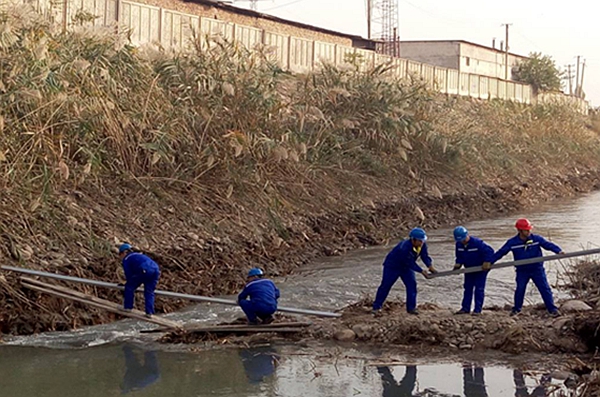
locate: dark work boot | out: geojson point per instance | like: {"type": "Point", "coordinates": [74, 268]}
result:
{"type": "Point", "coordinates": [268, 320]}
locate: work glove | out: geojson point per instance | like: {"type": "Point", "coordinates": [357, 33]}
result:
{"type": "Point", "coordinates": [457, 266]}
{"type": "Point", "coordinates": [561, 253]}
{"type": "Point", "coordinates": [432, 269]}
{"type": "Point", "coordinates": [426, 274]}
{"type": "Point", "coordinates": [486, 266]}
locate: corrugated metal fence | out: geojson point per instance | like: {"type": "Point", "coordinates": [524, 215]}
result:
{"type": "Point", "coordinates": [170, 29]}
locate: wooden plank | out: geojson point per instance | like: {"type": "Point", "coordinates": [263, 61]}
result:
{"type": "Point", "coordinates": [76, 296]}
{"type": "Point", "coordinates": [192, 328]}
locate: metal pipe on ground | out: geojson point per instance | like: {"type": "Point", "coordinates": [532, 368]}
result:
{"type": "Point", "coordinates": [169, 294]}
{"type": "Point", "coordinates": [518, 263]}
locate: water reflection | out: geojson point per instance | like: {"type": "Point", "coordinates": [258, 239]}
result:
{"type": "Point", "coordinates": [405, 388]}
{"type": "Point", "coordinates": [521, 388]}
{"type": "Point", "coordinates": [254, 372]}
{"type": "Point", "coordinates": [474, 382]}
{"type": "Point", "coordinates": [259, 362]}
{"type": "Point", "coordinates": [137, 375]}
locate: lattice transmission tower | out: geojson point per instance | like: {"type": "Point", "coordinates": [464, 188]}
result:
{"type": "Point", "coordinates": [382, 25]}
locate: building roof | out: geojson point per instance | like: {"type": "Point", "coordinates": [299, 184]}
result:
{"type": "Point", "coordinates": [256, 14]}
{"type": "Point", "coordinates": [462, 42]}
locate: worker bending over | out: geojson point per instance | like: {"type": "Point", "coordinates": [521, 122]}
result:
{"type": "Point", "coordinates": [139, 269]}
{"type": "Point", "coordinates": [401, 263]}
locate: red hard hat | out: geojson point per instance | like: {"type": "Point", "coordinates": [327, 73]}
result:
{"type": "Point", "coordinates": [523, 224]}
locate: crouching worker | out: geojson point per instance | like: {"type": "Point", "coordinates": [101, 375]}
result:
{"type": "Point", "coordinates": [401, 263]}
{"type": "Point", "coordinates": [139, 269]}
{"type": "Point", "coordinates": [472, 252]}
{"type": "Point", "coordinates": [263, 296]}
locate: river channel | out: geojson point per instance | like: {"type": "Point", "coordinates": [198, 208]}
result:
{"type": "Point", "coordinates": [114, 359]}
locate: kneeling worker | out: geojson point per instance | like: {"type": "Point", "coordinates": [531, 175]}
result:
{"type": "Point", "coordinates": [472, 252]}
{"type": "Point", "coordinates": [401, 263]}
{"type": "Point", "coordinates": [263, 296]}
{"type": "Point", "coordinates": [139, 269]}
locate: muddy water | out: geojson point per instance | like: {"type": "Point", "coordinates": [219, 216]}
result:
{"type": "Point", "coordinates": [258, 372]}
{"type": "Point", "coordinates": [573, 225]}
{"type": "Point", "coordinates": [107, 370]}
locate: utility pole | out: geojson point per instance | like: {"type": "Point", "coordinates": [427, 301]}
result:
{"type": "Point", "coordinates": [569, 77]}
{"type": "Point", "coordinates": [577, 78]}
{"type": "Point", "coordinates": [506, 50]}
{"type": "Point", "coordinates": [369, 17]}
{"type": "Point", "coordinates": [580, 92]}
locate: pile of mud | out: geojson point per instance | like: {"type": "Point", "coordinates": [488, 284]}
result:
{"type": "Point", "coordinates": [531, 331]}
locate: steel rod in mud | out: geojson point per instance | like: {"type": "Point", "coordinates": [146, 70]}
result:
{"type": "Point", "coordinates": [518, 263]}
{"type": "Point", "coordinates": [169, 294]}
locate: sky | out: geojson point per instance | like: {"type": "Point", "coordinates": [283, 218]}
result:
{"type": "Point", "coordinates": [562, 30]}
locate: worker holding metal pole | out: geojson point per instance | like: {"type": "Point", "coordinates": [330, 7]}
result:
{"type": "Point", "coordinates": [472, 252]}
{"type": "Point", "coordinates": [526, 245]}
{"type": "Point", "coordinates": [401, 263]}
{"type": "Point", "coordinates": [139, 269]}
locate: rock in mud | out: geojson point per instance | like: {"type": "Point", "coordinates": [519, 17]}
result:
{"type": "Point", "coordinates": [362, 331]}
{"type": "Point", "coordinates": [560, 375]}
{"type": "Point", "coordinates": [575, 306]}
{"type": "Point", "coordinates": [559, 324]}
{"type": "Point", "coordinates": [345, 335]}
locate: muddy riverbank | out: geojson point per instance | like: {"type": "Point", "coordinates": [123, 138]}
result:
{"type": "Point", "coordinates": [206, 266]}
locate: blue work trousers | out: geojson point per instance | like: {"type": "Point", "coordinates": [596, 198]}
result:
{"type": "Point", "coordinates": [390, 276]}
{"type": "Point", "coordinates": [254, 310]}
{"type": "Point", "coordinates": [474, 284]}
{"type": "Point", "coordinates": [150, 280]}
{"type": "Point", "coordinates": [538, 275]}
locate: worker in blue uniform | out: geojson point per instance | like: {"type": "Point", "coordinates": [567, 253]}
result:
{"type": "Point", "coordinates": [526, 245]}
{"type": "Point", "coordinates": [263, 296]}
{"type": "Point", "coordinates": [472, 252]}
{"type": "Point", "coordinates": [401, 263]}
{"type": "Point", "coordinates": [139, 269]}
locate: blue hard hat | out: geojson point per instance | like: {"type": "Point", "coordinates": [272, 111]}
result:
{"type": "Point", "coordinates": [418, 234]}
{"type": "Point", "coordinates": [460, 233]}
{"type": "Point", "coordinates": [255, 272]}
{"type": "Point", "coordinates": [124, 247]}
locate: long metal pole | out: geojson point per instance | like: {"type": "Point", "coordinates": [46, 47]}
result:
{"type": "Point", "coordinates": [518, 263]}
{"type": "Point", "coordinates": [169, 294]}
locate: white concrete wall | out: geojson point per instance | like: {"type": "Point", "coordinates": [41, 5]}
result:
{"type": "Point", "coordinates": [172, 29]}
{"type": "Point", "coordinates": [486, 62]}
{"type": "Point", "coordinates": [443, 54]}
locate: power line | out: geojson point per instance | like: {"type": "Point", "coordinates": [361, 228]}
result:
{"type": "Point", "coordinates": [284, 5]}
{"type": "Point", "coordinates": [537, 46]}
{"type": "Point", "coordinates": [435, 15]}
